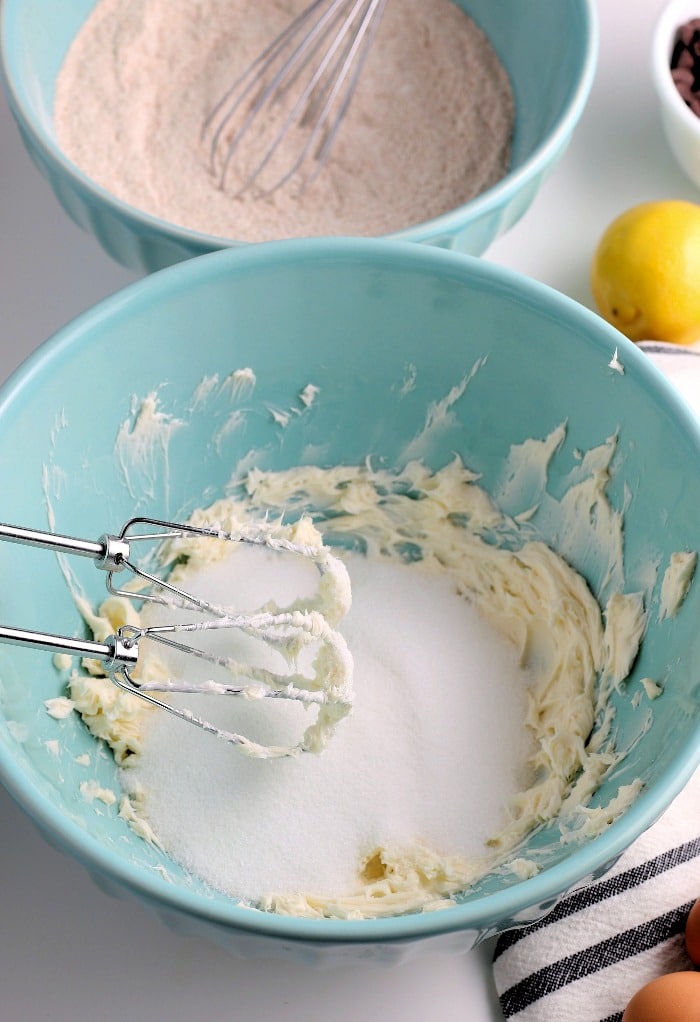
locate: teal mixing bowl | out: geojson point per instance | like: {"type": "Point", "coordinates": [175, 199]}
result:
{"type": "Point", "coordinates": [549, 50]}
{"type": "Point", "coordinates": [386, 331]}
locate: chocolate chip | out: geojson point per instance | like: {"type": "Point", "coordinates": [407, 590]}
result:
{"type": "Point", "coordinates": [683, 76]}
{"type": "Point", "coordinates": [685, 63]}
{"type": "Point", "coordinates": [688, 32]}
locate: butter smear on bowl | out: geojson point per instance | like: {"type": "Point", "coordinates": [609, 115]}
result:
{"type": "Point", "coordinates": [484, 667]}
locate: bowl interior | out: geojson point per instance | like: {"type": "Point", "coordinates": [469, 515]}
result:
{"type": "Point", "coordinates": [545, 49]}
{"type": "Point", "coordinates": [357, 320]}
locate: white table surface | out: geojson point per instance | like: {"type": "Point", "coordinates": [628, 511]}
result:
{"type": "Point", "coordinates": [67, 951]}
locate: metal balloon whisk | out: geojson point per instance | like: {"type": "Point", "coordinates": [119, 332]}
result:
{"type": "Point", "coordinates": [280, 118]}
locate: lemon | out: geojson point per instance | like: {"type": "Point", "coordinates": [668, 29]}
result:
{"type": "Point", "coordinates": [645, 274]}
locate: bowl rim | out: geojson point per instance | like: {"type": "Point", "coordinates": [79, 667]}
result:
{"type": "Point", "coordinates": [487, 202]}
{"type": "Point", "coordinates": [522, 900]}
{"type": "Point", "coordinates": [673, 15]}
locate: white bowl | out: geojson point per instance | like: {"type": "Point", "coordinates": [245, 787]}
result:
{"type": "Point", "coordinates": [681, 125]}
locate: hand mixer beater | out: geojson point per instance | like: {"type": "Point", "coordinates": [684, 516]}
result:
{"type": "Point", "coordinates": [288, 631]}
{"type": "Point", "coordinates": [283, 112]}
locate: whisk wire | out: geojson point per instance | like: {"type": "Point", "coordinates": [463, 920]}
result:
{"type": "Point", "coordinates": [337, 75]}
{"type": "Point", "coordinates": [331, 41]}
{"type": "Point", "coordinates": [302, 111]}
{"type": "Point", "coordinates": [355, 59]}
{"type": "Point", "coordinates": [227, 105]}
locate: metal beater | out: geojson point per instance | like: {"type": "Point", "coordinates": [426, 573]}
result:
{"type": "Point", "coordinates": [297, 92]}
{"type": "Point", "coordinates": [328, 688]}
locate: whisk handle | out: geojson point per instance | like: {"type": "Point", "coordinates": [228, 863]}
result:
{"type": "Point", "coordinates": [115, 652]}
{"type": "Point", "coordinates": [109, 552]}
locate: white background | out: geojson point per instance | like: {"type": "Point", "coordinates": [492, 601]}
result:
{"type": "Point", "coordinates": [67, 951]}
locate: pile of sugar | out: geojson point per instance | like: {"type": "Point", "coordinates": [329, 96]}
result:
{"type": "Point", "coordinates": [429, 128]}
{"type": "Point", "coordinates": [433, 750]}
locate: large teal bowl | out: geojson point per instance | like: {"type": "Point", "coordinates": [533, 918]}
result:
{"type": "Point", "coordinates": [356, 319]}
{"type": "Point", "coordinates": [549, 50]}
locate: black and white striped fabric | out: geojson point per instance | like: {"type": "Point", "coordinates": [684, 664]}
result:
{"type": "Point", "coordinates": [587, 958]}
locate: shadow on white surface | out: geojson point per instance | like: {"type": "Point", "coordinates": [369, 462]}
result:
{"type": "Point", "coordinates": [68, 951]}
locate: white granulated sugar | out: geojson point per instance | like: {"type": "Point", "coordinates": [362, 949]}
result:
{"type": "Point", "coordinates": [429, 128]}
{"type": "Point", "coordinates": [431, 753]}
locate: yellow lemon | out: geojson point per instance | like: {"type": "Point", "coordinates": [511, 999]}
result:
{"type": "Point", "coordinates": [645, 275]}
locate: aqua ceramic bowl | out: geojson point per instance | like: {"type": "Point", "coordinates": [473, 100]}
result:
{"type": "Point", "coordinates": [548, 49]}
{"type": "Point", "coordinates": [356, 319]}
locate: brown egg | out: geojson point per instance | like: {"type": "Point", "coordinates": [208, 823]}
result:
{"type": "Point", "coordinates": [692, 933]}
{"type": "Point", "coordinates": [671, 998]}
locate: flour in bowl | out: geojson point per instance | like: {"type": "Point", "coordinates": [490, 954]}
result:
{"type": "Point", "coordinates": [429, 128]}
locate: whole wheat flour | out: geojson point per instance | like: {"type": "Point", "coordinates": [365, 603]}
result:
{"type": "Point", "coordinates": [429, 128]}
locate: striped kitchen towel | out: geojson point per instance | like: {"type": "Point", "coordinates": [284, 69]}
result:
{"type": "Point", "coordinates": [589, 956]}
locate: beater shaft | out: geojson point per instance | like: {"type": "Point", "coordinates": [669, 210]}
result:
{"type": "Point", "coordinates": [116, 653]}
{"type": "Point", "coordinates": [109, 552]}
